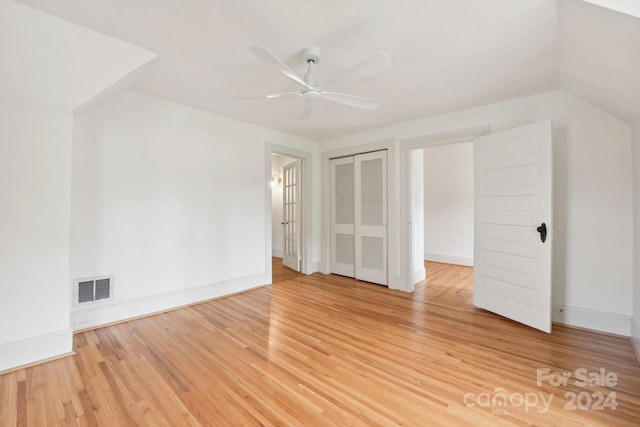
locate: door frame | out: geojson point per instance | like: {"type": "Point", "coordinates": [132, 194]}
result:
{"type": "Point", "coordinates": [406, 145]}
{"type": "Point", "coordinates": [306, 161]}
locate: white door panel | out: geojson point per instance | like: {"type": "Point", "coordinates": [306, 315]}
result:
{"type": "Point", "coordinates": [371, 217]}
{"type": "Point", "coordinates": [291, 215]}
{"type": "Point", "coordinates": [359, 217]}
{"type": "Point", "coordinates": [513, 197]}
{"type": "Point", "coordinates": [342, 217]}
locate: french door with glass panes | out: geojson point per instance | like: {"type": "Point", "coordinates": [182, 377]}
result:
{"type": "Point", "coordinates": [359, 217]}
{"type": "Point", "coordinates": [291, 216]}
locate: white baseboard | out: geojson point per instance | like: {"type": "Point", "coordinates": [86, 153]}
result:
{"type": "Point", "coordinates": [276, 252]}
{"type": "Point", "coordinates": [117, 311]}
{"type": "Point", "coordinates": [35, 349]}
{"type": "Point", "coordinates": [419, 275]}
{"type": "Point", "coordinates": [448, 259]}
{"type": "Point", "coordinates": [592, 319]}
{"type": "Point", "coordinates": [635, 336]}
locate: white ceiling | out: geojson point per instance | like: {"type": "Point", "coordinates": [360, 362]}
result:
{"type": "Point", "coordinates": [447, 55]}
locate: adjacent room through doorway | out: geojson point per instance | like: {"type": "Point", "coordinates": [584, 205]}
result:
{"type": "Point", "coordinates": [448, 203]}
{"type": "Point", "coordinates": [285, 214]}
{"type": "Point", "coordinates": [442, 216]}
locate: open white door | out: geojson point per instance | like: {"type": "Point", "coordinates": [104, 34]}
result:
{"type": "Point", "coordinates": [342, 217]}
{"type": "Point", "coordinates": [291, 215]}
{"type": "Point", "coordinates": [371, 217]}
{"type": "Point", "coordinates": [513, 204]}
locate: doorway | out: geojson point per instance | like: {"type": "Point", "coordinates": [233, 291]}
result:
{"type": "Point", "coordinates": [286, 212]}
{"type": "Point", "coordinates": [442, 214]}
{"type": "Point", "coordinates": [441, 206]}
{"type": "Point", "coordinates": [448, 203]}
{"type": "Point", "coordinates": [272, 151]}
{"type": "Point", "coordinates": [438, 201]}
{"type": "Point", "coordinates": [512, 212]}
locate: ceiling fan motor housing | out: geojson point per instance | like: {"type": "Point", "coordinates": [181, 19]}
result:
{"type": "Point", "coordinates": [311, 54]}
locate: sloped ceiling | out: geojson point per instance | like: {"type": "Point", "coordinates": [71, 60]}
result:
{"type": "Point", "coordinates": [629, 7]}
{"type": "Point", "coordinates": [50, 65]}
{"type": "Point", "coordinates": [599, 57]}
{"type": "Point", "coordinates": [447, 56]}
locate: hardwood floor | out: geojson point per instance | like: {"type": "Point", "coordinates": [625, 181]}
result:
{"type": "Point", "coordinates": [280, 272]}
{"type": "Point", "coordinates": [326, 350]}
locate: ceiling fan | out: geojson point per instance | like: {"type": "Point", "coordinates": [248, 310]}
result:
{"type": "Point", "coordinates": [312, 89]}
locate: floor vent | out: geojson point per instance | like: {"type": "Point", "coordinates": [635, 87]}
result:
{"type": "Point", "coordinates": [91, 290]}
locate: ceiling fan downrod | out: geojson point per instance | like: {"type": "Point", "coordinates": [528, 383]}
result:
{"type": "Point", "coordinates": [311, 56]}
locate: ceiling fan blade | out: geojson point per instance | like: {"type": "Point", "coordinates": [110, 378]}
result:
{"type": "Point", "coordinates": [371, 66]}
{"type": "Point", "coordinates": [307, 106]}
{"type": "Point", "coordinates": [269, 96]}
{"type": "Point", "coordinates": [352, 100]}
{"type": "Point", "coordinates": [269, 58]}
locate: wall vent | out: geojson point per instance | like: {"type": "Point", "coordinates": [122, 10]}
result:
{"type": "Point", "coordinates": [92, 290]}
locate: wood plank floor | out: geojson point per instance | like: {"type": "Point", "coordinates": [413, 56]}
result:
{"type": "Point", "coordinates": [325, 350]}
{"type": "Point", "coordinates": [279, 272]}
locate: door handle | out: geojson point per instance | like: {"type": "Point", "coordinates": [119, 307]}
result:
{"type": "Point", "coordinates": [543, 232]}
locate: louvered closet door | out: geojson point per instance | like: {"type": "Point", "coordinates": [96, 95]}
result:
{"type": "Point", "coordinates": [342, 217]}
{"type": "Point", "coordinates": [370, 187]}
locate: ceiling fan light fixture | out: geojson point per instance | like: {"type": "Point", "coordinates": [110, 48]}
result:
{"type": "Point", "coordinates": [311, 94]}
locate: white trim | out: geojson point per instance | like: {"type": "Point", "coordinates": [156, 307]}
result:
{"type": "Point", "coordinates": [315, 266]}
{"type": "Point", "coordinates": [419, 275]}
{"type": "Point", "coordinates": [448, 259]}
{"type": "Point", "coordinates": [117, 311]}
{"type": "Point", "coordinates": [592, 319]}
{"type": "Point", "coordinates": [635, 336]}
{"type": "Point", "coordinates": [406, 145]}
{"type": "Point", "coordinates": [276, 252]}
{"type": "Point", "coordinates": [35, 349]}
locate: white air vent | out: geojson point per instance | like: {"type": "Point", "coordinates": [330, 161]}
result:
{"type": "Point", "coordinates": [92, 290]}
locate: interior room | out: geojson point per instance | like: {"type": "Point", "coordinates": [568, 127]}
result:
{"type": "Point", "coordinates": [320, 213]}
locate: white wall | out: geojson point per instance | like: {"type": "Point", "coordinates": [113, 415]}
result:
{"type": "Point", "coordinates": [448, 203]}
{"type": "Point", "coordinates": [276, 209]}
{"type": "Point", "coordinates": [635, 320]}
{"type": "Point", "coordinates": [592, 190]}
{"type": "Point", "coordinates": [50, 68]}
{"type": "Point", "coordinates": [168, 199]}
{"type": "Point", "coordinates": [35, 164]}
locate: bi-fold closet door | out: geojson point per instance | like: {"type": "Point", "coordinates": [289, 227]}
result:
{"type": "Point", "coordinates": [359, 217]}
